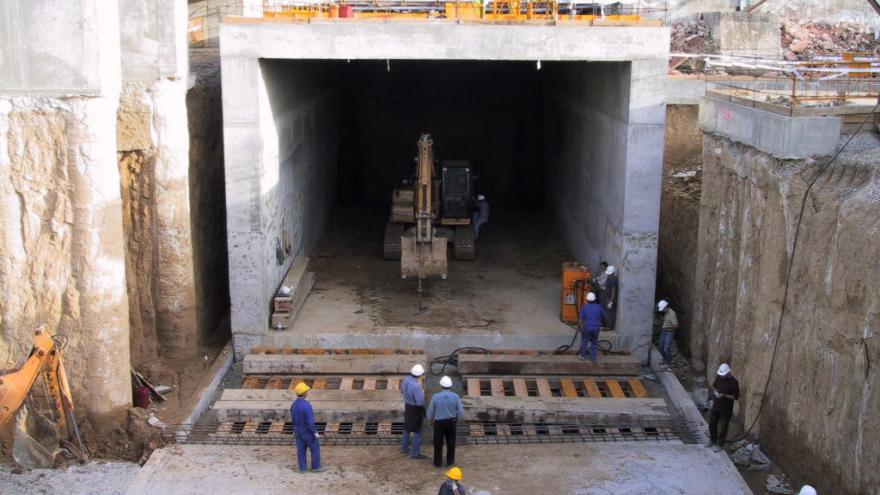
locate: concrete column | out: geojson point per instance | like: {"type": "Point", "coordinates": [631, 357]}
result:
{"type": "Point", "coordinates": [61, 252]}
{"type": "Point", "coordinates": [641, 205]}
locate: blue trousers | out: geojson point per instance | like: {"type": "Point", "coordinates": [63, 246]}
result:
{"type": "Point", "coordinates": [478, 222]}
{"type": "Point", "coordinates": [591, 336]}
{"type": "Point", "coordinates": [416, 443]}
{"type": "Point", "coordinates": [307, 440]}
{"type": "Point", "coordinates": [666, 339]}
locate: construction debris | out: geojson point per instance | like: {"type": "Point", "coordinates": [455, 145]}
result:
{"type": "Point", "coordinates": [802, 41]}
{"type": "Point", "coordinates": [776, 483]}
{"type": "Point", "coordinates": [750, 456]}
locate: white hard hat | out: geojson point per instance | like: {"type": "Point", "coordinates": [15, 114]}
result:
{"type": "Point", "coordinates": [591, 297]}
{"type": "Point", "coordinates": [446, 382]}
{"type": "Point", "coordinates": [417, 370]}
{"type": "Point", "coordinates": [285, 290]}
{"type": "Point", "coordinates": [480, 197]}
{"type": "Point", "coordinates": [610, 270]}
{"type": "Point", "coordinates": [662, 305]}
{"type": "Point", "coordinates": [807, 490]}
{"type": "Point", "coordinates": [724, 369]}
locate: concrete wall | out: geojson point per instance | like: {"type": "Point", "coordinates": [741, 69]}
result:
{"type": "Point", "coordinates": [606, 156]}
{"type": "Point", "coordinates": [819, 418]}
{"type": "Point", "coordinates": [61, 237]}
{"type": "Point", "coordinates": [280, 146]}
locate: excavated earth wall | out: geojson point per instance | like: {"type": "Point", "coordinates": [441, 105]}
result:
{"type": "Point", "coordinates": [61, 244]}
{"type": "Point", "coordinates": [819, 418]}
{"type": "Point", "coordinates": [680, 214]}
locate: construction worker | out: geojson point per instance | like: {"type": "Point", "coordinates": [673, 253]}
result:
{"type": "Point", "coordinates": [481, 214]}
{"type": "Point", "coordinates": [608, 295]}
{"type": "Point", "coordinates": [413, 412]}
{"type": "Point", "coordinates": [305, 433]}
{"type": "Point", "coordinates": [807, 490]}
{"type": "Point", "coordinates": [452, 486]}
{"type": "Point", "coordinates": [667, 329]}
{"type": "Point", "coordinates": [444, 411]}
{"type": "Point", "coordinates": [592, 319]}
{"type": "Point", "coordinates": [599, 282]}
{"type": "Point", "coordinates": [726, 390]}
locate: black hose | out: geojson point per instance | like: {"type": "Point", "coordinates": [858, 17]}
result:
{"type": "Point", "coordinates": [452, 359]}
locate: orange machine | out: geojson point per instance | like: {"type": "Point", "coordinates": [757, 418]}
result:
{"type": "Point", "coordinates": [575, 286]}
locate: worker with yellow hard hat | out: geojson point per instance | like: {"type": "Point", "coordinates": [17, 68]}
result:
{"type": "Point", "coordinates": [305, 433]}
{"type": "Point", "coordinates": [452, 486]}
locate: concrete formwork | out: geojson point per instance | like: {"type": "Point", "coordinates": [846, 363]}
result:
{"type": "Point", "coordinates": [604, 88]}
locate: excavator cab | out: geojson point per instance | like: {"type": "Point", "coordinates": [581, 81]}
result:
{"type": "Point", "coordinates": [37, 423]}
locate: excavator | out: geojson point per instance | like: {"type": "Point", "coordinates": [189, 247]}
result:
{"type": "Point", "coordinates": [36, 425]}
{"type": "Point", "coordinates": [427, 213]}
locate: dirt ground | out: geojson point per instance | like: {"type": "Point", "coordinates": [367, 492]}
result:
{"type": "Point", "coordinates": [511, 288]}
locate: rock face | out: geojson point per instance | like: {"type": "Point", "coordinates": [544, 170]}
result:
{"type": "Point", "coordinates": [153, 147]}
{"type": "Point", "coordinates": [61, 244]}
{"type": "Point", "coordinates": [820, 409]}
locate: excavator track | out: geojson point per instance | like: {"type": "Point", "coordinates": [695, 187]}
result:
{"type": "Point", "coordinates": [391, 246]}
{"type": "Point", "coordinates": [464, 245]}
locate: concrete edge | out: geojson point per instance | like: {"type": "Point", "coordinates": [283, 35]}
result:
{"type": "Point", "coordinates": [206, 391]}
{"type": "Point", "coordinates": [141, 480]}
{"type": "Point", "coordinates": [679, 397]}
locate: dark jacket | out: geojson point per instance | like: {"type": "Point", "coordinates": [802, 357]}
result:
{"type": "Point", "coordinates": [593, 315]}
{"type": "Point", "coordinates": [446, 488]}
{"type": "Point", "coordinates": [727, 385]}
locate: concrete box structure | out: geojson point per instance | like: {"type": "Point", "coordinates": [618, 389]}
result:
{"type": "Point", "coordinates": [602, 98]}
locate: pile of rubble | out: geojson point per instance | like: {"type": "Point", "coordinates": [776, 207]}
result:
{"type": "Point", "coordinates": [692, 36]}
{"type": "Point", "coordinates": [804, 41]}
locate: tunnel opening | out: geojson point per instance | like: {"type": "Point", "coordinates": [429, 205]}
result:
{"type": "Point", "coordinates": [550, 144]}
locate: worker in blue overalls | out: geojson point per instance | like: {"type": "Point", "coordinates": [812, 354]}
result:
{"type": "Point", "coordinates": [303, 419]}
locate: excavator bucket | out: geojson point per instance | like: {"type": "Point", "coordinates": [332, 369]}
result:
{"type": "Point", "coordinates": [35, 442]}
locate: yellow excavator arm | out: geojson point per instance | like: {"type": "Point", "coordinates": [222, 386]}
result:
{"type": "Point", "coordinates": [15, 387]}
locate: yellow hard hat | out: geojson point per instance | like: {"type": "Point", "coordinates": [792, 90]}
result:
{"type": "Point", "coordinates": [454, 474]}
{"type": "Point", "coordinates": [301, 388]}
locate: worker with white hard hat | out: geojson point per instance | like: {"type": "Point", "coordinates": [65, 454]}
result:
{"type": "Point", "coordinates": [725, 389]}
{"type": "Point", "coordinates": [452, 484]}
{"type": "Point", "coordinates": [444, 411]}
{"type": "Point", "coordinates": [413, 411]}
{"type": "Point", "coordinates": [481, 214]}
{"type": "Point", "coordinates": [807, 490]}
{"type": "Point", "coordinates": [304, 431]}
{"type": "Point", "coordinates": [667, 329]}
{"type": "Point", "coordinates": [608, 295]}
{"type": "Point", "coordinates": [592, 318]}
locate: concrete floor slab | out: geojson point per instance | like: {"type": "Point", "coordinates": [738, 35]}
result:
{"type": "Point", "coordinates": [596, 469]}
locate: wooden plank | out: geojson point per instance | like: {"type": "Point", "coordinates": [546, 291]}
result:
{"type": "Point", "coordinates": [519, 387]}
{"type": "Point", "coordinates": [251, 382]}
{"type": "Point", "coordinates": [315, 395]}
{"type": "Point", "coordinates": [638, 389]}
{"type": "Point", "coordinates": [369, 384]}
{"type": "Point", "coordinates": [293, 383]}
{"type": "Point", "coordinates": [473, 387]}
{"type": "Point", "coordinates": [394, 384]}
{"type": "Point", "coordinates": [568, 388]}
{"type": "Point", "coordinates": [515, 364]}
{"type": "Point", "coordinates": [477, 430]}
{"type": "Point", "coordinates": [346, 383]}
{"type": "Point", "coordinates": [331, 428]}
{"type": "Point", "coordinates": [543, 388]}
{"type": "Point", "coordinates": [592, 389]}
{"type": "Point", "coordinates": [614, 388]}
{"type": "Point", "coordinates": [497, 387]}
{"type": "Point", "coordinates": [319, 384]}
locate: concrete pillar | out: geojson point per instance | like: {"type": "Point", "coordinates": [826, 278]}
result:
{"type": "Point", "coordinates": [646, 122]}
{"type": "Point", "coordinates": [61, 248]}
{"type": "Point", "coordinates": [153, 123]}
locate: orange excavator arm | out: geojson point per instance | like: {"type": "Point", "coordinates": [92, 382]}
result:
{"type": "Point", "coordinates": [44, 361]}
